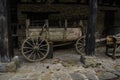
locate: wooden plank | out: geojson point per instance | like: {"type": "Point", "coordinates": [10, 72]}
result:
{"type": "Point", "coordinates": [90, 35]}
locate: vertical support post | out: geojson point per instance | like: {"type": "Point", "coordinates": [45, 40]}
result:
{"type": "Point", "coordinates": [5, 48]}
{"type": "Point", "coordinates": [65, 29]}
{"type": "Point", "coordinates": [66, 23]}
{"type": "Point", "coordinates": [90, 35]}
{"type": "Point", "coordinates": [47, 28]}
{"type": "Point", "coordinates": [27, 26]}
{"type": "Point", "coordinates": [47, 23]}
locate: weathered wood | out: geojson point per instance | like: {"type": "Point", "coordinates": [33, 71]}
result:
{"type": "Point", "coordinates": [4, 32]}
{"type": "Point", "coordinates": [1, 28]}
{"type": "Point", "coordinates": [100, 40]}
{"type": "Point", "coordinates": [90, 36]}
{"type": "Point", "coordinates": [54, 34]}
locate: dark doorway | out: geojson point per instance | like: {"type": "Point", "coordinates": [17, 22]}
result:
{"type": "Point", "coordinates": [36, 15]}
{"type": "Point", "coordinates": [109, 22]}
{"type": "Point", "coordinates": [109, 19]}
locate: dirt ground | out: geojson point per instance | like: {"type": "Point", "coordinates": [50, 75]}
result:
{"type": "Point", "coordinates": [66, 65]}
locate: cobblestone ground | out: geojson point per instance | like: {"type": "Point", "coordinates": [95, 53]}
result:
{"type": "Point", "coordinates": [66, 66]}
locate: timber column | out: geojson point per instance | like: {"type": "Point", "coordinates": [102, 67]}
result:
{"type": "Point", "coordinates": [5, 47]}
{"type": "Point", "coordinates": [90, 35]}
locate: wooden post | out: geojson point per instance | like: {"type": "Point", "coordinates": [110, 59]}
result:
{"type": "Point", "coordinates": [5, 48]}
{"type": "Point", "coordinates": [27, 26]}
{"type": "Point", "coordinates": [90, 35]}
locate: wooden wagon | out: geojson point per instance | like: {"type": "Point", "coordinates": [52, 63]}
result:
{"type": "Point", "coordinates": [36, 46]}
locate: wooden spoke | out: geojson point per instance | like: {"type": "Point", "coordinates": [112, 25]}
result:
{"type": "Point", "coordinates": [33, 41]}
{"type": "Point", "coordinates": [28, 48]}
{"type": "Point", "coordinates": [43, 45]}
{"type": "Point", "coordinates": [80, 44]}
{"type": "Point", "coordinates": [30, 54]}
{"type": "Point", "coordinates": [80, 47]}
{"type": "Point", "coordinates": [41, 53]}
{"type": "Point", "coordinates": [38, 54]}
{"type": "Point", "coordinates": [42, 49]}
{"type": "Point", "coordinates": [40, 43]}
{"type": "Point", "coordinates": [29, 43]}
{"type": "Point", "coordinates": [34, 56]}
{"type": "Point", "coordinates": [28, 51]}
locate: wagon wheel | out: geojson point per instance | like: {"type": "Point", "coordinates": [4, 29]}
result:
{"type": "Point", "coordinates": [80, 45]}
{"type": "Point", "coordinates": [35, 49]}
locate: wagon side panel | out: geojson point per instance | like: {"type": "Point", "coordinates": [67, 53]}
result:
{"type": "Point", "coordinates": [73, 34]}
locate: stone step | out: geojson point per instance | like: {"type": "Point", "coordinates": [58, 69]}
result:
{"type": "Point", "coordinates": [78, 76]}
{"type": "Point", "coordinates": [10, 66]}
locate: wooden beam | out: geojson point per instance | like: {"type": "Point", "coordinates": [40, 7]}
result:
{"type": "Point", "coordinates": [90, 35]}
{"type": "Point", "coordinates": [5, 48]}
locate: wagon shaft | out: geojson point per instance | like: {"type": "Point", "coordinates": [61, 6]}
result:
{"type": "Point", "coordinates": [100, 40]}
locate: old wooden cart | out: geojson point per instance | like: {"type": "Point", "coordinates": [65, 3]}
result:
{"type": "Point", "coordinates": [36, 46]}
{"type": "Point", "coordinates": [113, 42]}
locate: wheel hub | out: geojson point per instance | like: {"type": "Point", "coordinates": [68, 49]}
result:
{"type": "Point", "coordinates": [36, 48]}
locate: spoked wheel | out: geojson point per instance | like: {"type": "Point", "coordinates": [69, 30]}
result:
{"type": "Point", "coordinates": [35, 49]}
{"type": "Point", "coordinates": [80, 45]}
